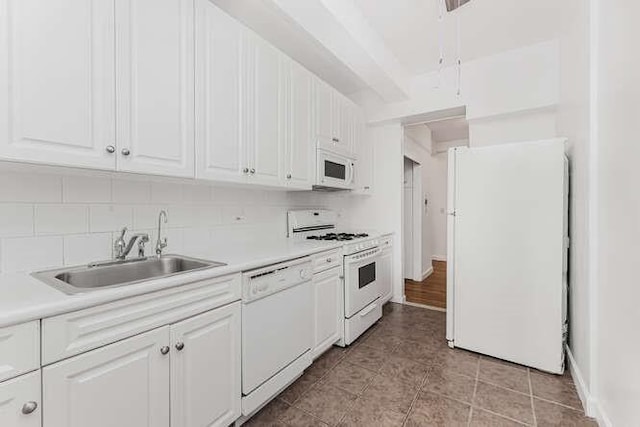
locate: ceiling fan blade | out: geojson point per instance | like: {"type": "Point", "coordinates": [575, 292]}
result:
{"type": "Point", "coordinates": [454, 4]}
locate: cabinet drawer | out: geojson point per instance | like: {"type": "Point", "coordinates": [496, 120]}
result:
{"type": "Point", "coordinates": [73, 333]}
{"type": "Point", "coordinates": [19, 349]}
{"type": "Point", "coordinates": [326, 260]}
{"type": "Point", "coordinates": [18, 395]}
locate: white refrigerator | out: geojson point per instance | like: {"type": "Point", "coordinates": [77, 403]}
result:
{"type": "Point", "coordinates": [507, 252]}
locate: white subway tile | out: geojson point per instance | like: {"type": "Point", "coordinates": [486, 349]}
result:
{"type": "Point", "coordinates": [130, 191]}
{"type": "Point", "coordinates": [84, 248]}
{"type": "Point", "coordinates": [86, 189]}
{"type": "Point", "coordinates": [61, 219]}
{"type": "Point", "coordinates": [196, 239]}
{"type": "Point", "coordinates": [104, 218]}
{"type": "Point", "coordinates": [166, 192]}
{"type": "Point", "coordinates": [182, 216]}
{"type": "Point", "coordinates": [233, 215]}
{"type": "Point", "coordinates": [16, 220]}
{"type": "Point", "coordinates": [147, 216]}
{"type": "Point", "coordinates": [27, 254]}
{"type": "Point", "coordinates": [23, 187]}
{"type": "Point", "coordinates": [197, 193]}
{"type": "Point", "coordinates": [207, 216]}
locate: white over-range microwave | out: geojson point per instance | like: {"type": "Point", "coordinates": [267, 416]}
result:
{"type": "Point", "coordinates": [334, 171]}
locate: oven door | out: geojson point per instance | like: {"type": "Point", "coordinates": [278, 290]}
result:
{"type": "Point", "coordinates": [362, 287]}
{"type": "Point", "coordinates": [334, 171]}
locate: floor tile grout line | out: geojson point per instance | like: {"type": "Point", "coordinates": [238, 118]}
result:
{"type": "Point", "coordinates": [475, 389]}
{"type": "Point", "coordinates": [533, 409]}
{"type": "Point", "coordinates": [564, 405]}
{"type": "Point", "coordinates": [415, 398]}
{"type": "Point", "coordinates": [497, 414]}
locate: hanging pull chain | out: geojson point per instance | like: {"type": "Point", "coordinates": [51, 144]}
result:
{"type": "Point", "coordinates": [458, 48]}
{"type": "Point", "coordinates": [441, 6]}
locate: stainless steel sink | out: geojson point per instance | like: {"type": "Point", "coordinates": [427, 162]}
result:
{"type": "Point", "coordinates": [73, 280]}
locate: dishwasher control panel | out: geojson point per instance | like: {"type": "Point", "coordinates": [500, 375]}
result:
{"type": "Point", "coordinates": [268, 280]}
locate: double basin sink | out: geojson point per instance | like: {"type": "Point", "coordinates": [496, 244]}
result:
{"type": "Point", "coordinates": [74, 280]}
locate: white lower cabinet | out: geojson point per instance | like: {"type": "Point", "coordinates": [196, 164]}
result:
{"type": "Point", "coordinates": [205, 369]}
{"type": "Point", "coordinates": [20, 401]}
{"type": "Point", "coordinates": [386, 269]}
{"type": "Point", "coordinates": [185, 374]}
{"type": "Point", "coordinates": [327, 309]}
{"type": "Point", "coordinates": [124, 384]}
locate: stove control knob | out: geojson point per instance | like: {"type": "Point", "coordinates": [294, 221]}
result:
{"type": "Point", "coordinates": [303, 274]}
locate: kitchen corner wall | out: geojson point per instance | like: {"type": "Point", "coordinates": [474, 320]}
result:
{"type": "Point", "coordinates": [48, 219]}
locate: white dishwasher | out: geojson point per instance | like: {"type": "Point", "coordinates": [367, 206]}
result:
{"type": "Point", "coordinates": [277, 329]}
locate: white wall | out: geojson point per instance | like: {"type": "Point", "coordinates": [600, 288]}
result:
{"type": "Point", "coordinates": [618, 215]}
{"type": "Point", "coordinates": [515, 127]}
{"type": "Point", "coordinates": [383, 209]}
{"type": "Point", "coordinates": [437, 207]}
{"type": "Point", "coordinates": [417, 143]}
{"type": "Point", "coordinates": [49, 220]}
{"type": "Point", "coordinates": [573, 121]}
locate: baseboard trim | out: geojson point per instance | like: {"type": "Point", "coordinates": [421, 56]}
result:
{"type": "Point", "coordinates": [427, 273]}
{"type": "Point", "coordinates": [591, 406]}
{"type": "Point", "coordinates": [428, 307]}
{"type": "Point", "coordinates": [439, 258]}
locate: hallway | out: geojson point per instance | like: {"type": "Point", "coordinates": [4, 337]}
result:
{"type": "Point", "coordinates": [432, 291]}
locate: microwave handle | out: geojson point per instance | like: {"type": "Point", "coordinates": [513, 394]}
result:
{"type": "Point", "coordinates": [351, 172]}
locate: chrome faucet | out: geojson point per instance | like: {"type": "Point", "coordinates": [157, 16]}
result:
{"type": "Point", "coordinates": [161, 243]}
{"type": "Point", "coordinates": [122, 248]}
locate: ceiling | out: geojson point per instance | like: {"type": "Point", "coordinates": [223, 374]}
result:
{"type": "Point", "coordinates": [409, 28]}
{"type": "Point", "coordinates": [447, 130]}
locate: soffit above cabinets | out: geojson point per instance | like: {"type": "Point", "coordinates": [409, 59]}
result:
{"type": "Point", "coordinates": [331, 38]}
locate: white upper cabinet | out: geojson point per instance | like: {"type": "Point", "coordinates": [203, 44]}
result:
{"type": "Point", "coordinates": [364, 175]}
{"type": "Point", "coordinates": [335, 118]}
{"type": "Point", "coordinates": [205, 369]}
{"type": "Point", "coordinates": [220, 151]}
{"type": "Point", "coordinates": [264, 112]}
{"type": "Point", "coordinates": [57, 94]}
{"type": "Point", "coordinates": [155, 86]}
{"type": "Point", "coordinates": [298, 125]}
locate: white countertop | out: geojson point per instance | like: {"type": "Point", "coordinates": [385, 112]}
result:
{"type": "Point", "coordinates": [24, 298]}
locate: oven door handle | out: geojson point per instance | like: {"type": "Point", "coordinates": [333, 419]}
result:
{"type": "Point", "coordinates": [368, 310]}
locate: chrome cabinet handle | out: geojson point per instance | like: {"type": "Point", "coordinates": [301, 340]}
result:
{"type": "Point", "coordinates": [288, 176]}
{"type": "Point", "coordinates": [164, 350]}
{"type": "Point", "coordinates": [179, 346]}
{"type": "Point", "coordinates": [110, 149]}
{"type": "Point", "coordinates": [335, 139]}
{"type": "Point", "coordinates": [245, 170]}
{"type": "Point", "coordinates": [329, 259]}
{"type": "Point", "coordinates": [126, 152]}
{"type": "Point", "coordinates": [253, 171]}
{"type": "Point", "coordinates": [29, 407]}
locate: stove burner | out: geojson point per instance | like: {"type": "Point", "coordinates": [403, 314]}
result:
{"type": "Point", "coordinates": [338, 236]}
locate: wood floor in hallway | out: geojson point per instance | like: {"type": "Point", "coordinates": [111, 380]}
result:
{"type": "Point", "coordinates": [432, 291]}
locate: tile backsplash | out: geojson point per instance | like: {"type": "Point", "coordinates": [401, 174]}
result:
{"type": "Point", "coordinates": [50, 220]}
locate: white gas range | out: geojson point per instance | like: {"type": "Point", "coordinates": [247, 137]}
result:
{"type": "Point", "coordinates": [361, 266]}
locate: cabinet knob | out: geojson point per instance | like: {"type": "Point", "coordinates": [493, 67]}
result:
{"type": "Point", "coordinates": [253, 171]}
{"type": "Point", "coordinates": [288, 176]}
{"type": "Point", "coordinates": [329, 259]}
{"type": "Point", "coordinates": [110, 149]}
{"type": "Point", "coordinates": [164, 349]}
{"type": "Point", "coordinates": [29, 407]}
{"type": "Point", "coordinates": [126, 152]}
{"type": "Point", "coordinates": [245, 170]}
{"type": "Point", "coordinates": [335, 139]}
{"type": "Point", "coordinates": [179, 346]}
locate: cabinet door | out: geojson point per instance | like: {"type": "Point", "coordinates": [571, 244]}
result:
{"type": "Point", "coordinates": [20, 401]}
{"type": "Point", "coordinates": [386, 275]}
{"type": "Point", "coordinates": [205, 369]}
{"type": "Point", "coordinates": [155, 86]}
{"type": "Point", "coordinates": [299, 169]}
{"type": "Point", "coordinates": [57, 102]}
{"type": "Point", "coordinates": [125, 384]}
{"type": "Point", "coordinates": [363, 176]}
{"type": "Point", "coordinates": [220, 150]}
{"type": "Point", "coordinates": [322, 110]}
{"type": "Point", "coordinates": [327, 309]}
{"type": "Point", "coordinates": [264, 122]}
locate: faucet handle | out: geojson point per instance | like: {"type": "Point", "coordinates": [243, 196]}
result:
{"type": "Point", "coordinates": [123, 232]}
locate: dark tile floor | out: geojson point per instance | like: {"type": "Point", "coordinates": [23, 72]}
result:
{"type": "Point", "coordinates": [401, 373]}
